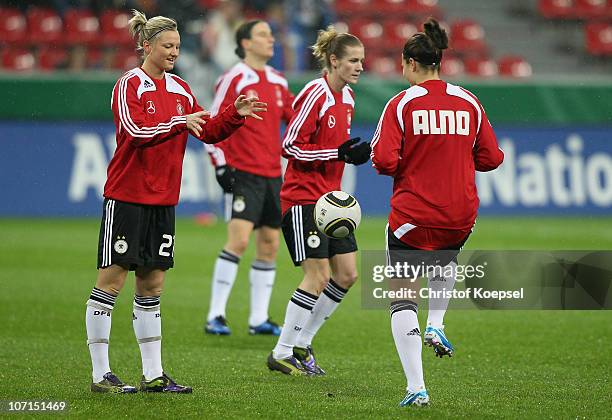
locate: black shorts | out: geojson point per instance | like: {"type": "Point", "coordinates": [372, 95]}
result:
{"type": "Point", "coordinates": [256, 199]}
{"type": "Point", "coordinates": [136, 235]}
{"type": "Point", "coordinates": [304, 240]}
{"type": "Point", "coordinates": [400, 252]}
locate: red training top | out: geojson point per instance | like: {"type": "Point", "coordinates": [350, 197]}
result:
{"type": "Point", "coordinates": [151, 137]}
{"type": "Point", "coordinates": [321, 123]}
{"type": "Point", "coordinates": [431, 138]}
{"type": "Point", "coordinates": [256, 148]}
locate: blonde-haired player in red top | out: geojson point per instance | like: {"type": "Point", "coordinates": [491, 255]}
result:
{"type": "Point", "coordinates": [431, 138]}
{"type": "Point", "coordinates": [248, 168]}
{"type": "Point", "coordinates": [317, 147]}
{"type": "Point", "coordinates": [153, 113]}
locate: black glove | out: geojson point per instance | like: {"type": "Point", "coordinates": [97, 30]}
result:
{"type": "Point", "coordinates": [225, 177]}
{"type": "Point", "coordinates": [356, 155]}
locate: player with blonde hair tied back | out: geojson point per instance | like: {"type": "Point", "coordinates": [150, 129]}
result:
{"type": "Point", "coordinates": [317, 147]}
{"type": "Point", "coordinates": [153, 113]}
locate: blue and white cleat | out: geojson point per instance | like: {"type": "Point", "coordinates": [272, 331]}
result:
{"type": "Point", "coordinates": [266, 328]}
{"type": "Point", "coordinates": [418, 399]}
{"type": "Point", "coordinates": [217, 326]}
{"type": "Point", "coordinates": [434, 337]}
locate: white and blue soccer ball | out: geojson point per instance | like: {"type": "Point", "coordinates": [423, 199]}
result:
{"type": "Point", "coordinates": [337, 214]}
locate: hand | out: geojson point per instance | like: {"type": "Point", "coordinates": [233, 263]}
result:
{"type": "Point", "coordinates": [361, 153]}
{"type": "Point", "coordinates": [358, 154]}
{"type": "Point", "coordinates": [225, 177]}
{"type": "Point", "coordinates": [247, 107]}
{"type": "Point", "coordinates": [196, 120]}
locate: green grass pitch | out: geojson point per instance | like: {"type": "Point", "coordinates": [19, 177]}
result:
{"type": "Point", "coordinates": [508, 364]}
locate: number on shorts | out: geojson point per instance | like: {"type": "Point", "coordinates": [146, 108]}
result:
{"type": "Point", "coordinates": [166, 245]}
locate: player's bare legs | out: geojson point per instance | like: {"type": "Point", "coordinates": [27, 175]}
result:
{"type": "Point", "coordinates": [267, 243]}
{"type": "Point", "coordinates": [316, 275]}
{"type": "Point", "coordinates": [344, 269]}
{"type": "Point", "coordinates": [238, 234]}
{"type": "Point", "coordinates": [111, 279]}
{"type": "Point", "coordinates": [261, 280]}
{"type": "Point", "coordinates": [224, 274]}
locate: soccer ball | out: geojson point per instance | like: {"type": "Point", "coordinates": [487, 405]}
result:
{"type": "Point", "coordinates": [337, 214]}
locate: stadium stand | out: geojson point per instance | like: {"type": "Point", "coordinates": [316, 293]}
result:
{"type": "Point", "coordinates": [486, 40]}
{"type": "Point", "coordinates": [599, 38]}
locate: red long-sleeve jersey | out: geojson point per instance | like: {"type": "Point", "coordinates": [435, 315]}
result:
{"type": "Point", "coordinates": [321, 123]}
{"type": "Point", "coordinates": [431, 138]}
{"type": "Point", "coordinates": [151, 137]}
{"type": "Point", "coordinates": [256, 148]}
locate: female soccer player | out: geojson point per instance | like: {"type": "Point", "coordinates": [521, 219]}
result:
{"type": "Point", "coordinates": [248, 169]}
{"type": "Point", "coordinates": [317, 149]}
{"type": "Point", "coordinates": [153, 112]}
{"type": "Point", "coordinates": [431, 138]}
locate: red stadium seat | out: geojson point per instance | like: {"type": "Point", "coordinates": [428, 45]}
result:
{"type": "Point", "coordinates": [52, 58]}
{"type": "Point", "coordinates": [556, 9]}
{"type": "Point", "coordinates": [424, 8]}
{"type": "Point", "coordinates": [12, 26]}
{"type": "Point", "coordinates": [590, 9]}
{"type": "Point", "coordinates": [480, 67]}
{"type": "Point", "coordinates": [353, 7]}
{"type": "Point", "coordinates": [94, 58]}
{"type": "Point", "coordinates": [396, 8]}
{"type": "Point", "coordinates": [208, 4]}
{"type": "Point", "coordinates": [44, 26]}
{"type": "Point", "coordinates": [406, 8]}
{"type": "Point", "coordinates": [125, 60]}
{"type": "Point", "coordinates": [369, 31]}
{"type": "Point", "coordinates": [114, 28]}
{"type": "Point", "coordinates": [514, 66]}
{"type": "Point", "coordinates": [18, 60]}
{"type": "Point", "coordinates": [384, 65]}
{"type": "Point", "coordinates": [468, 38]}
{"type": "Point", "coordinates": [451, 66]}
{"type": "Point", "coordinates": [397, 32]}
{"type": "Point", "coordinates": [599, 38]}
{"type": "Point", "coordinates": [81, 27]}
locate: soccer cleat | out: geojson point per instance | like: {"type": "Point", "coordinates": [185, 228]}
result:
{"type": "Point", "coordinates": [306, 358]}
{"type": "Point", "coordinates": [434, 337]}
{"type": "Point", "coordinates": [419, 399]}
{"type": "Point", "coordinates": [289, 366]}
{"type": "Point", "coordinates": [267, 328]}
{"type": "Point", "coordinates": [163, 384]}
{"type": "Point", "coordinates": [217, 326]}
{"type": "Point", "coordinates": [110, 383]}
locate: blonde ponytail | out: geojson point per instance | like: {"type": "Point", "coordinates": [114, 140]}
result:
{"type": "Point", "coordinates": [330, 42]}
{"type": "Point", "coordinates": [143, 29]}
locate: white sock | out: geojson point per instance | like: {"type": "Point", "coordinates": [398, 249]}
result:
{"type": "Point", "coordinates": [438, 305]}
{"type": "Point", "coordinates": [407, 337]}
{"type": "Point", "coordinates": [326, 305]}
{"type": "Point", "coordinates": [147, 328]}
{"type": "Point", "coordinates": [298, 311]}
{"type": "Point", "coordinates": [224, 275]}
{"type": "Point", "coordinates": [261, 278]}
{"type": "Point", "coordinates": [98, 324]}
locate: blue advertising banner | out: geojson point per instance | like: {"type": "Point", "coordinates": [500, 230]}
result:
{"type": "Point", "coordinates": [59, 169]}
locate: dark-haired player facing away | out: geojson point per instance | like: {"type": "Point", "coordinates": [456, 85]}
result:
{"type": "Point", "coordinates": [248, 168]}
{"type": "Point", "coordinates": [431, 138]}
